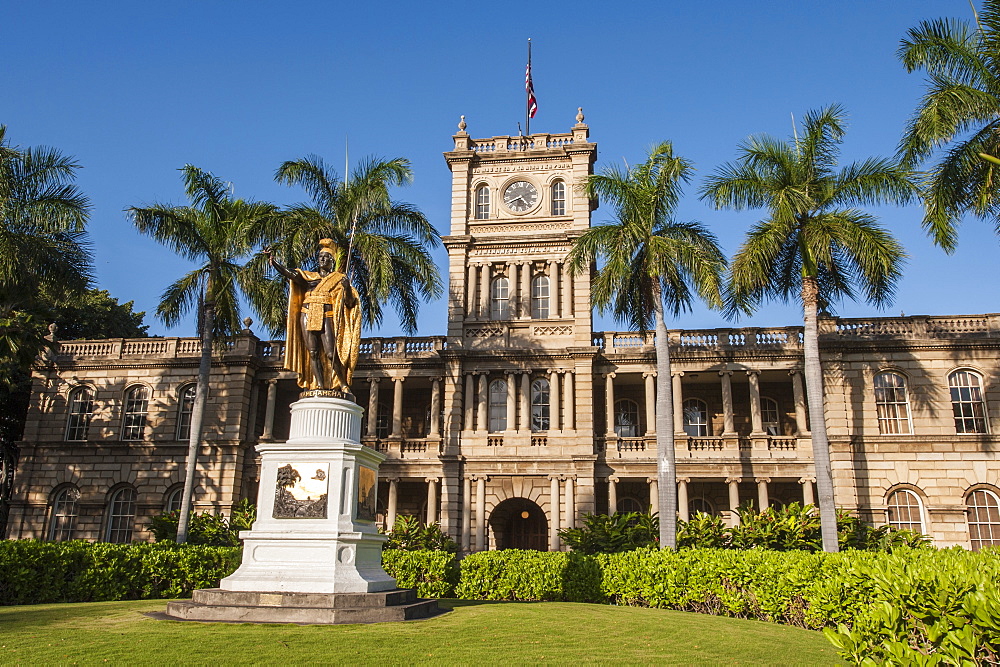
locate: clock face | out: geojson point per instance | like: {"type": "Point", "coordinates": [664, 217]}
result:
{"type": "Point", "coordinates": [520, 196]}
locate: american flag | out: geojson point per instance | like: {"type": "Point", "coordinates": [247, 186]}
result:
{"type": "Point", "coordinates": [530, 89]}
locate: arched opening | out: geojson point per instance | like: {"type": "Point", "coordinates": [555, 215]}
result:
{"type": "Point", "coordinates": [518, 523]}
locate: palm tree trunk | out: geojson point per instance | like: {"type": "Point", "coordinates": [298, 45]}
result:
{"type": "Point", "coordinates": [207, 320]}
{"type": "Point", "coordinates": [817, 417]}
{"type": "Point", "coordinates": [666, 460]}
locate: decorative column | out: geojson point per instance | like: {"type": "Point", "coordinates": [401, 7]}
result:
{"type": "Point", "coordinates": [432, 500]}
{"type": "Point", "coordinates": [654, 494]}
{"type": "Point", "coordinates": [569, 515]}
{"type": "Point", "coordinates": [472, 293]}
{"type": "Point", "coordinates": [524, 422]}
{"type": "Point", "coordinates": [554, 502]}
{"type": "Point", "coordinates": [650, 379]}
{"type": "Point", "coordinates": [435, 425]}
{"type": "Point", "coordinates": [609, 403]}
{"type": "Point", "coordinates": [683, 510]}
{"type": "Point", "coordinates": [728, 428]}
{"type": "Point", "coordinates": [569, 423]}
{"type": "Point", "coordinates": [675, 379]}
{"type": "Point", "coordinates": [800, 403]}
{"type": "Point", "coordinates": [372, 427]}
{"type": "Point", "coordinates": [526, 288]}
{"type": "Point", "coordinates": [807, 490]}
{"type": "Point", "coordinates": [466, 514]}
{"type": "Point", "coordinates": [272, 394]}
{"type": "Point", "coordinates": [613, 494]}
{"type": "Point", "coordinates": [567, 295]}
{"type": "Point", "coordinates": [482, 425]}
{"type": "Point", "coordinates": [554, 424]}
{"type": "Point", "coordinates": [734, 499]}
{"type": "Point", "coordinates": [484, 292]}
{"type": "Point", "coordinates": [390, 517]}
{"type": "Point", "coordinates": [470, 405]}
{"type": "Point", "coordinates": [511, 400]}
{"type": "Point", "coordinates": [481, 512]}
{"type": "Point", "coordinates": [397, 407]}
{"type": "Point", "coordinates": [514, 302]}
{"type": "Point", "coordinates": [555, 311]}
{"type": "Point", "coordinates": [756, 424]}
{"type": "Point", "coordinates": [762, 499]}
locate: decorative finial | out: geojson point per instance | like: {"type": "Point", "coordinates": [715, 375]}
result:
{"type": "Point", "coordinates": [579, 114]}
{"type": "Point", "coordinates": [462, 125]}
{"type": "Point", "coordinates": [247, 321]}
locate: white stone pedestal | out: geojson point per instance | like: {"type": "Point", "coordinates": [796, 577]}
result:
{"type": "Point", "coordinates": [301, 542]}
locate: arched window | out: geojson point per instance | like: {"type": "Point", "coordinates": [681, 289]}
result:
{"type": "Point", "coordinates": [540, 297]}
{"type": "Point", "coordinates": [81, 411]}
{"type": "Point", "coordinates": [984, 518]}
{"type": "Point", "coordinates": [629, 504]}
{"type": "Point", "coordinates": [498, 406]}
{"type": "Point", "coordinates": [121, 516]}
{"type": "Point", "coordinates": [134, 415]}
{"type": "Point", "coordinates": [903, 511]}
{"type": "Point", "coordinates": [700, 506]}
{"type": "Point", "coordinates": [483, 202]}
{"type": "Point", "coordinates": [695, 417]}
{"type": "Point", "coordinates": [500, 299]}
{"type": "Point", "coordinates": [558, 198]}
{"type": "Point", "coordinates": [769, 416]}
{"type": "Point", "coordinates": [967, 402]}
{"type": "Point", "coordinates": [172, 499]}
{"type": "Point", "coordinates": [626, 418]}
{"type": "Point", "coordinates": [63, 511]}
{"type": "Point", "coordinates": [184, 410]}
{"type": "Point", "coordinates": [892, 403]}
{"type": "Point", "coordinates": [540, 405]}
{"type": "Point", "coordinates": [383, 421]}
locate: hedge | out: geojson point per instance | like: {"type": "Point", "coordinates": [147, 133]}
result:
{"type": "Point", "coordinates": [433, 573]}
{"type": "Point", "coordinates": [513, 574]}
{"type": "Point", "coordinates": [35, 572]}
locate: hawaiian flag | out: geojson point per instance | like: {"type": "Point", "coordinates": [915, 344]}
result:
{"type": "Point", "coordinates": [530, 89]}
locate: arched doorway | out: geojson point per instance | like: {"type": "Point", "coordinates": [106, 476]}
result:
{"type": "Point", "coordinates": [518, 523]}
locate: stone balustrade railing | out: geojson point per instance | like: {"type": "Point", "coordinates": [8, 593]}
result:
{"type": "Point", "coordinates": [703, 339]}
{"type": "Point", "coordinates": [534, 142]}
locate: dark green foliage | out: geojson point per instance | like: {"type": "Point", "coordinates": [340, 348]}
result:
{"type": "Point", "coordinates": [433, 573]}
{"type": "Point", "coordinates": [95, 314]}
{"type": "Point", "coordinates": [206, 528]}
{"type": "Point", "coordinates": [603, 534]}
{"type": "Point", "coordinates": [703, 530]}
{"type": "Point", "coordinates": [36, 572]}
{"type": "Point", "coordinates": [513, 574]}
{"type": "Point", "coordinates": [410, 534]}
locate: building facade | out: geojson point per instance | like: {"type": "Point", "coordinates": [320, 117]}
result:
{"type": "Point", "coordinates": [521, 418]}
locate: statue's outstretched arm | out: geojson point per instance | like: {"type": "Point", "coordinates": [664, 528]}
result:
{"type": "Point", "coordinates": [283, 270]}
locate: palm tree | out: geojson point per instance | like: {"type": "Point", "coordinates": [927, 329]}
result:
{"type": "Point", "coordinates": [217, 232]}
{"type": "Point", "coordinates": [388, 240]}
{"type": "Point", "coordinates": [651, 264]}
{"type": "Point", "coordinates": [960, 109]}
{"type": "Point", "coordinates": [813, 245]}
{"type": "Point", "coordinates": [44, 255]}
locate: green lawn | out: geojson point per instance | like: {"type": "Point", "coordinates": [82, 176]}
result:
{"type": "Point", "coordinates": [474, 632]}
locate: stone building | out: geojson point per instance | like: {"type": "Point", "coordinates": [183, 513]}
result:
{"type": "Point", "coordinates": [522, 418]}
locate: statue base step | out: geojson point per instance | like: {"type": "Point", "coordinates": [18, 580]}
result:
{"type": "Point", "coordinates": [218, 605]}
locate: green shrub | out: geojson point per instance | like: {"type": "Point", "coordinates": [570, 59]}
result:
{"type": "Point", "coordinates": [34, 572]}
{"type": "Point", "coordinates": [206, 528]}
{"type": "Point", "coordinates": [433, 573]}
{"type": "Point", "coordinates": [603, 534]}
{"type": "Point", "coordinates": [704, 531]}
{"type": "Point", "coordinates": [513, 574]}
{"type": "Point", "coordinates": [410, 534]}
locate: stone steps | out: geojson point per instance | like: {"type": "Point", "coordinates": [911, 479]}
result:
{"type": "Point", "coordinates": [215, 604]}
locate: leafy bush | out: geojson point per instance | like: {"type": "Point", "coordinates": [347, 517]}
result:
{"type": "Point", "coordinates": [703, 530]}
{"type": "Point", "coordinates": [603, 534]}
{"type": "Point", "coordinates": [433, 573]}
{"type": "Point", "coordinates": [34, 572]}
{"type": "Point", "coordinates": [410, 534]}
{"type": "Point", "coordinates": [209, 529]}
{"type": "Point", "coordinates": [513, 574]}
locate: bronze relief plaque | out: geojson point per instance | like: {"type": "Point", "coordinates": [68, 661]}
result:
{"type": "Point", "coordinates": [300, 490]}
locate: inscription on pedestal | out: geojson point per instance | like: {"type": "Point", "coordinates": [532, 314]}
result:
{"type": "Point", "coordinates": [301, 495]}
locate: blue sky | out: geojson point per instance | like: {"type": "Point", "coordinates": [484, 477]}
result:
{"type": "Point", "coordinates": [135, 92]}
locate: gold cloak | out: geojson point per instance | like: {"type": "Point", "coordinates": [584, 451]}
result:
{"type": "Point", "coordinates": [346, 325]}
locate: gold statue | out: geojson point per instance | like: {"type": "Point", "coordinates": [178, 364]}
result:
{"type": "Point", "coordinates": [324, 322]}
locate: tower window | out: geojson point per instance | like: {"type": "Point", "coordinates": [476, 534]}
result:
{"type": "Point", "coordinates": [540, 297]}
{"type": "Point", "coordinates": [540, 407]}
{"type": "Point", "coordinates": [498, 406]}
{"type": "Point", "coordinates": [483, 202]}
{"type": "Point", "coordinates": [558, 198]}
{"type": "Point", "coordinates": [500, 299]}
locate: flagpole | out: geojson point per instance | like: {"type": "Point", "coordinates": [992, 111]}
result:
{"type": "Point", "coordinates": [527, 98]}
